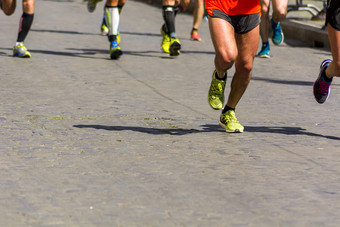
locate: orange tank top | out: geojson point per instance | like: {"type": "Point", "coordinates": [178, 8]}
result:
{"type": "Point", "coordinates": [234, 7]}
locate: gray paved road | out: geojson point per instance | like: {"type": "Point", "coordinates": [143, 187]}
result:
{"type": "Point", "coordinates": [87, 141]}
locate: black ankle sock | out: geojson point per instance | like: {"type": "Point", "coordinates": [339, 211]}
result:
{"type": "Point", "coordinates": [112, 38]}
{"type": "Point", "coordinates": [224, 78]}
{"type": "Point", "coordinates": [323, 74]}
{"type": "Point", "coordinates": [120, 8]}
{"type": "Point", "coordinates": [176, 9]}
{"type": "Point", "coordinates": [227, 108]}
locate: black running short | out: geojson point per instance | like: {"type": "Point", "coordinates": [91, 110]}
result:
{"type": "Point", "coordinates": [241, 23]}
{"type": "Point", "coordinates": [333, 14]}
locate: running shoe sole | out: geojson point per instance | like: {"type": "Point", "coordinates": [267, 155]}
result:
{"type": "Point", "coordinates": [116, 54]}
{"type": "Point", "coordinates": [175, 48]}
{"type": "Point", "coordinates": [229, 131]}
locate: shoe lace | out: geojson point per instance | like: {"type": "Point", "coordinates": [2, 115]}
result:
{"type": "Point", "coordinates": [194, 33]}
{"type": "Point", "coordinates": [22, 47]}
{"type": "Point", "coordinates": [277, 30]}
{"type": "Point", "coordinates": [217, 87]}
{"type": "Point", "coordinates": [229, 117]}
{"type": "Point", "coordinates": [323, 87]}
{"type": "Point", "coordinates": [233, 117]}
{"type": "Point", "coordinates": [114, 44]}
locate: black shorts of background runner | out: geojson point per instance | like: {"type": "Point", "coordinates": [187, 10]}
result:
{"type": "Point", "coordinates": [241, 23]}
{"type": "Point", "coordinates": [333, 14]}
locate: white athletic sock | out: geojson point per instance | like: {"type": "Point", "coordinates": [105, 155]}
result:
{"type": "Point", "coordinates": [112, 19]}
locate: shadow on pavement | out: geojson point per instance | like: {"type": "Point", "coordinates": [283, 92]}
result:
{"type": "Point", "coordinates": [63, 32]}
{"type": "Point", "coordinates": [208, 128]}
{"type": "Point", "coordinates": [155, 131]}
{"type": "Point", "coordinates": [86, 53]}
{"type": "Point", "coordinates": [286, 131]}
{"type": "Point", "coordinates": [288, 82]}
{"type": "Point", "coordinates": [140, 34]}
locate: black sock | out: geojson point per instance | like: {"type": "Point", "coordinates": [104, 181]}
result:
{"type": "Point", "coordinates": [325, 78]}
{"type": "Point", "coordinates": [224, 78]}
{"type": "Point", "coordinates": [24, 26]}
{"type": "Point", "coordinates": [120, 8]}
{"type": "Point", "coordinates": [227, 108]}
{"type": "Point", "coordinates": [112, 38]}
{"type": "Point", "coordinates": [176, 9]}
{"type": "Point", "coordinates": [169, 19]}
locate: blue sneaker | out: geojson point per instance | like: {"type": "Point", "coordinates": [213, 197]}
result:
{"type": "Point", "coordinates": [277, 33]}
{"type": "Point", "coordinates": [322, 88]}
{"type": "Point", "coordinates": [264, 52]}
{"type": "Point", "coordinates": [115, 51]}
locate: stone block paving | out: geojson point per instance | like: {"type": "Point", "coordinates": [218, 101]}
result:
{"type": "Point", "coordinates": [87, 141]}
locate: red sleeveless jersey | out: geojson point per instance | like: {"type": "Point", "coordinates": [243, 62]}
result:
{"type": "Point", "coordinates": [234, 7]}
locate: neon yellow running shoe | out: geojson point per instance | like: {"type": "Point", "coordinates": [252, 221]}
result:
{"type": "Point", "coordinates": [118, 37]}
{"type": "Point", "coordinates": [19, 50]}
{"type": "Point", "coordinates": [216, 92]}
{"type": "Point", "coordinates": [175, 47]}
{"type": "Point", "coordinates": [115, 51]}
{"type": "Point", "coordinates": [104, 30]}
{"type": "Point", "coordinates": [165, 42]}
{"type": "Point", "coordinates": [229, 121]}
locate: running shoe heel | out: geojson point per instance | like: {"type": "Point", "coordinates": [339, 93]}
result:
{"type": "Point", "coordinates": [115, 51]}
{"type": "Point", "coordinates": [175, 47]}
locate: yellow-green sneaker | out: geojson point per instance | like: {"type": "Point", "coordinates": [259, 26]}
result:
{"type": "Point", "coordinates": [175, 47]}
{"type": "Point", "coordinates": [165, 41]}
{"type": "Point", "coordinates": [104, 30]}
{"type": "Point", "coordinates": [229, 121]}
{"type": "Point", "coordinates": [118, 37]}
{"type": "Point", "coordinates": [19, 50]}
{"type": "Point", "coordinates": [115, 51]}
{"type": "Point", "coordinates": [216, 92]}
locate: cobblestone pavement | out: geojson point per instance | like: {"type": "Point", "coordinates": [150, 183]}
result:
{"type": "Point", "coordinates": [87, 141]}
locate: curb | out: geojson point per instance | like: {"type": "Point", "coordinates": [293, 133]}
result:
{"type": "Point", "coordinates": [311, 35]}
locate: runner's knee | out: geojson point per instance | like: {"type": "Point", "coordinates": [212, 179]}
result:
{"type": "Point", "coordinates": [28, 6]}
{"type": "Point", "coordinates": [8, 10]}
{"type": "Point", "coordinates": [225, 61]}
{"type": "Point", "coordinates": [279, 15]}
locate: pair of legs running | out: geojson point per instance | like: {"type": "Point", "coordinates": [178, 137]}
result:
{"type": "Point", "coordinates": [329, 68]}
{"type": "Point", "coordinates": [198, 16]}
{"type": "Point", "coordinates": [231, 48]}
{"type": "Point", "coordinates": [26, 20]}
{"type": "Point", "coordinates": [111, 17]}
{"type": "Point", "coordinates": [279, 14]}
{"type": "Point", "coordinates": [170, 42]}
